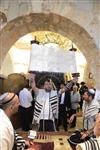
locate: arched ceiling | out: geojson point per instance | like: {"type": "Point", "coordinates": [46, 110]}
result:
{"type": "Point", "coordinates": [46, 22]}
{"type": "Point", "coordinates": [49, 22]}
{"type": "Point", "coordinates": [44, 37]}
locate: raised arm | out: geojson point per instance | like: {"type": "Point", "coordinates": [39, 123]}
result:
{"type": "Point", "coordinates": [53, 85]}
{"type": "Point", "coordinates": [33, 84]}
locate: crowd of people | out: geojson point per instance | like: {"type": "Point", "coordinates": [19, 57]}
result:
{"type": "Point", "coordinates": [52, 109]}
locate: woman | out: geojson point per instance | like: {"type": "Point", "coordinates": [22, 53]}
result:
{"type": "Point", "coordinates": [75, 99]}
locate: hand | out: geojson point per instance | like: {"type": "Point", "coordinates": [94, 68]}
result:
{"type": "Point", "coordinates": [84, 135]}
{"type": "Point", "coordinates": [29, 142]}
{"type": "Point", "coordinates": [72, 118]}
{"type": "Point", "coordinates": [62, 90]}
{"type": "Point", "coordinates": [34, 147]}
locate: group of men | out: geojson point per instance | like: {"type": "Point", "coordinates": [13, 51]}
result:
{"type": "Point", "coordinates": [45, 112]}
{"type": "Point", "coordinates": [53, 107]}
{"type": "Point", "coordinates": [50, 106]}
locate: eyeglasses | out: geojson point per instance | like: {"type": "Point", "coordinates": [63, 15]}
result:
{"type": "Point", "coordinates": [3, 103]}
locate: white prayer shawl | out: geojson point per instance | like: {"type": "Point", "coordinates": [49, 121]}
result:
{"type": "Point", "coordinates": [6, 132]}
{"type": "Point", "coordinates": [40, 104]}
{"type": "Point", "coordinates": [97, 96]}
{"type": "Point", "coordinates": [90, 111]}
{"type": "Point", "coordinates": [92, 144]}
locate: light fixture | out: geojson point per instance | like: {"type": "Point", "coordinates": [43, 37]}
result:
{"type": "Point", "coordinates": [34, 41]}
{"type": "Point", "coordinates": [73, 49]}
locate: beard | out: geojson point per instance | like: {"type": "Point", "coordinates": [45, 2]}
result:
{"type": "Point", "coordinates": [48, 90]}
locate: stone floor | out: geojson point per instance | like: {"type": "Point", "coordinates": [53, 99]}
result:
{"type": "Point", "coordinates": [79, 125]}
{"type": "Point", "coordinates": [56, 136]}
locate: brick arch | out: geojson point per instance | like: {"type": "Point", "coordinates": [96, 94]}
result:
{"type": "Point", "coordinates": [49, 22]}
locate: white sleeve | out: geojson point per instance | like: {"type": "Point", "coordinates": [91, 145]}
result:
{"type": "Point", "coordinates": [6, 139]}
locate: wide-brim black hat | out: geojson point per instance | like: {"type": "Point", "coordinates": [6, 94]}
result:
{"type": "Point", "coordinates": [75, 138]}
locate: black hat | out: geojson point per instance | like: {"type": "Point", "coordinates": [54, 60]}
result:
{"type": "Point", "coordinates": [75, 138]}
{"type": "Point", "coordinates": [82, 83]}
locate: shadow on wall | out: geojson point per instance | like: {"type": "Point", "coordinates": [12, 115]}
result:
{"type": "Point", "coordinates": [14, 83]}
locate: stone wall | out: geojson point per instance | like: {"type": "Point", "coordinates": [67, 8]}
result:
{"type": "Point", "coordinates": [85, 13]}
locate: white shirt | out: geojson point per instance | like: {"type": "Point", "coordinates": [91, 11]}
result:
{"type": "Point", "coordinates": [3, 95]}
{"type": "Point", "coordinates": [75, 99]}
{"type": "Point", "coordinates": [6, 132]}
{"type": "Point", "coordinates": [45, 114]}
{"type": "Point", "coordinates": [25, 98]}
{"type": "Point", "coordinates": [97, 95]}
{"type": "Point", "coordinates": [62, 98]}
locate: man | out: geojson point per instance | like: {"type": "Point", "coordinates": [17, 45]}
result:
{"type": "Point", "coordinates": [81, 91]}
{"type": "Point", "coordinates": [92, 144]}
{"type": "Point", "coordinates": [25, 108]}
{"type": "Point", "coordinates": [46, 106]}
{"type": "Point", "coordinates": [9, 104]}
{"type": "Point", "coordinates": [90, 109]}
{"type": "Point", "coordinates": [64, 106]}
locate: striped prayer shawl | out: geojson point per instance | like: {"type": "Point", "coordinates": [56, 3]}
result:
{"type": "Point", "coordinates": [90, 111]}
{"type": "Point", "coordinates": [39, 104]}
{"type": "Point", "coordinates": [92, 144]}
{"type": "Point", "coordinates": [20, 142]}
{"type": "Point", "coordinates": [54, 103]}
{"type": "Point", "coordinates": [37, 110]}
{"type": "Point", "coordinates": [69, 85]}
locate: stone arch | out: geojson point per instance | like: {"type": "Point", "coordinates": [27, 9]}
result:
{"type": "Point", "coordinates": [49, 22]}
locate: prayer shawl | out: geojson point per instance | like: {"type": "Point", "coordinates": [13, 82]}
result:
{"type": "Point", "coordinates": [20, 142]}
{"type": "Point", "coordinates": [6, 132]}
{"type": "Point", "coordinates": [92, 144]}
{"type": "Point", "coordinates": [90, 110]}
{"type": "Point", "coordinates": [40, 104]}
{"type": "Point", "coordinates": [69, 85]}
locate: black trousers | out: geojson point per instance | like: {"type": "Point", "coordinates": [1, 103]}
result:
{"type": "Point", "coordinates": [46, 125]}
{"type": "Point", "coordinates": [73, 111]}
{"type": "Point", "coordinates": [62, 119]}
{"type": "Point", "coordinates": [81, 103]}
{"type": "Point", "coordinates": [26, 116]}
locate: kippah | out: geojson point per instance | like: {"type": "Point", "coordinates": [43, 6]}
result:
{"type": "Point", "coordinates": [92, 91]}
{"type": "Point", "coordinates": [3, 95]}
{"type": "Point", "coordinates": [3, 103]}
{"type": "Point", "coordinates": [3, 100]}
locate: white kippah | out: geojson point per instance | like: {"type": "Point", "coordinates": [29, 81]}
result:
{"type": "Point", "coordinates": [92, 91]}
{"type": "Point", "coordinates": [3, 95]}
